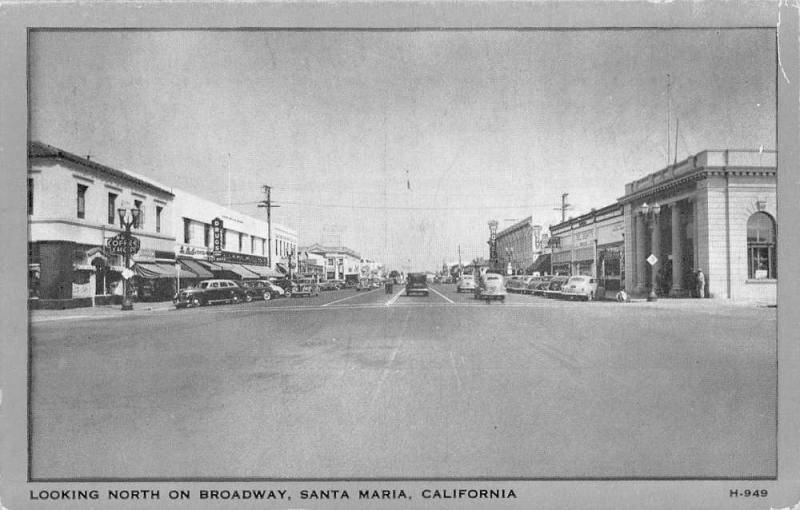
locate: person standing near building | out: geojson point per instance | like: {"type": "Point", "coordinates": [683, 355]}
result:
{"type": "Point", "coordinates": [700, 280]}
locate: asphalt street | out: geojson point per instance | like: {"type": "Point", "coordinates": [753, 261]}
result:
{"type": "Point", "coordinates": [369, 385]}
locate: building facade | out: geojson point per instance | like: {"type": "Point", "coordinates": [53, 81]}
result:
{"type": "Point", "coordinates": [73, 205]}
{"type": "Point", "coordinates": [73, 211]}
{"type": "Point", "coordinates": [243, 240]}
{"type": "Point", "coordinates": [337, 262]}
{"type": "Point", "coordinates": [591, 244]}
{"type": "Point", "coordinates": [715, 211]}
{"type": "Point", "coordinates": [518, 246]}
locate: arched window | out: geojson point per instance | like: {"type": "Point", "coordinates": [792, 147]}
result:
{"type": "Point", "coordinates": [761, 240]}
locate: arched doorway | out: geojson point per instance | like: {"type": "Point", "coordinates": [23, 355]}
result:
{"type": "Point", "coordinates": [100, 273]}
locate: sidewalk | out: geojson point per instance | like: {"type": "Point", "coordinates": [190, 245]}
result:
{"type": "Point", "coordinates": [99, 311]}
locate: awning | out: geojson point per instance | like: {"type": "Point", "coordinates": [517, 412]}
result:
{"type": "Point", "coordinates": [282, 268]}
{"type": "Point", "coordinates": [196, 268]}
{"type": "Point", "coordinates": [262, 271]}
{"type": "Point", "coordinates": [211, 266]}
{"type": "Point", "coordinates": [238, 269]}
{"type": "Point", "coordinates": [153, 270]}
{"type": "Point", "coordinates": [540, 265]}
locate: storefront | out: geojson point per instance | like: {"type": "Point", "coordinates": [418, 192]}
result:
{"type": "Point", "coordinates": [592, 245]}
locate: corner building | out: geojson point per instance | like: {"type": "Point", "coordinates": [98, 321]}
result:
{"type": "Point", "coordinates": [714, 211]}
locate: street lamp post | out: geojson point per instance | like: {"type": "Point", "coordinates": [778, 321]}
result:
{"type": "Point", "coordinates": [651, 214]}
{"type": "Point", "coordinates": [127, 305]}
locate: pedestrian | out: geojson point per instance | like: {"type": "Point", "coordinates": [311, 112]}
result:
{"type": "Point", "coordinates": [700, 280]}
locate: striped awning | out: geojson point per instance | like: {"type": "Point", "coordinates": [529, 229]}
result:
{"type": "Point", "coordinates": [262, 271]}
{"type": "Point", "coordinates": [152, 270]}
{"type": "Point", "coordinates": [238, 269]}
{"type": "Point", "coordinates": [196, 268]}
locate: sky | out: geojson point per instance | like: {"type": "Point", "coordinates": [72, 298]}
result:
{"type": "Point", "coordinates": [402, 145]}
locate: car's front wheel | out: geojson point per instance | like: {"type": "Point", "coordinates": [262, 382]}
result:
{"type": "Point", "coordinates": [248, 298]}
{"type": "Point", "coordinates": [267, 296]}
{"type": "Point", "coordinates": [196, 301]}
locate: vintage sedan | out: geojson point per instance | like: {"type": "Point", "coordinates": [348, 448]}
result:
{"type": "Point", "coordinates": [209, 292]}
{"type": "Point", "coordinates": [261, 289]}
{"type": "Point", "coordinates": [518, 283]}
{"type": "Point", "coordinates": [490, 287]}
{"type": "Point", "coordinates": [554, 287]}
{"type": "Point", "coordinates": [466, 282]}
{"type": "Point", "coordinates": [584, 287]}
{"type": "Point", "coordinates": [305, 287]}
{"type": "Point", "coordinates": [538, 287]}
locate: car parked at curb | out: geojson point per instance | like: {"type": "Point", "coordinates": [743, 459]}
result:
{"type": "Point", "coordinates": [518, 283]}
{"type": "Point", "coordinates": [538, 287]}
{"type": "Point", "coordinates": [555, 285]}
{"type": "Point", "coordinates": [363, 284]}
{"type": "Point", "coordinates": [584, 287]}
{"type": "Point", "coordinates": [209, 292]}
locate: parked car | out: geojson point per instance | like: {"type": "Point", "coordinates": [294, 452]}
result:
{"type": "Point", "coordinates": [491, 286]}
{"type": "Point", "coordinates": [305, 287]}
{"type": "Point", "coordinates": [555, 285]}
{"type": "Point", "coordinates": [283, 283]}
{"type": "Point", "coordinates": [466, 282]}
{"type": "Point", "coordinates": [580, 287]}
{"type": "Point", "coordinates": [363, 284]}
{"type": "Point", "coordinates": [261, 289]}
{"type": "Point", "coordinates": [540, 286]}
{"type": "Point", "coordinates": [417, 283]}
{"type": "Point", "coordinates": [255, 289]}
{"type": "Point", "coordinates": [330, 285]}
{"type": "Point", "coordinates": [208, 292]}
{"type": "Point", "coordinates": [518, 283]}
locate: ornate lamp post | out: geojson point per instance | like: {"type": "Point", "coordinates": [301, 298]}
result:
{"type": "Point", "coordinates": [651, 215]}
{"type": "Point", "coordinates": [127, 305]}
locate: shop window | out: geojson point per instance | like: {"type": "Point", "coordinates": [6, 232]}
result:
{"type": "Point", "coordinates": [81, 205]}
{"type": "Point", "coordinates": [761, 241]}
{"type": "Point", "coordinates": [159, 210]}
{"type": "Point", "coordinates": [30, 196]}
{"type": "Point", "coordinates": [112, 208]}
{"type": "Point", "coordinates": [241, 241]}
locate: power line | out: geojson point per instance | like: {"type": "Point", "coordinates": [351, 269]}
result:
{"type": "Point", "coordinates": [430, 208]}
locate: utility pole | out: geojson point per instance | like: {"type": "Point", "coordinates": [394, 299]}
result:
{"type": "Point", "coordinates": [269, 205]}
{"type": "Point", "coordinates": [564, 206]}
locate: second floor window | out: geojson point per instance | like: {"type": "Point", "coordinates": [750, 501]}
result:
{"type": "Point", "coordinates": [82, 200]}
{"type": "Point", "coordinates": [112, 208]}
{"type": "Point", "coordinates": [187, 230]}
{"type": "Point", "coordinates": [207, 236]}
{"type": "Point", "coordinates": [138, 205]}
{"type": "Point", "coordinates": [30, 196]}
{"type": "Point", "coordinates": [241, 239]}
{"type": "Point", "coordinates": [159, 209]}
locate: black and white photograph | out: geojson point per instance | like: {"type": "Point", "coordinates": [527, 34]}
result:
{"type": "Point", "coordinates": [439, 262]}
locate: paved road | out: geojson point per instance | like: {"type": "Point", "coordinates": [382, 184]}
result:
{"type": "Point", "coordinates": [370, 385]}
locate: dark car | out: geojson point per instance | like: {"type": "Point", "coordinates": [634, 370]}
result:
{"type": "Point", "coordinates": [259, 289]}
{"type": "Point", "coordinates": [283, 283]}
{"type": "Point", "coordinates": [208, 292]}
{"type": "Point", "coordinates": [554, 288]}
{"type": "Point", "coordinates": [305, 287]}
{"type": "Point", "coordinates": [417, 283]}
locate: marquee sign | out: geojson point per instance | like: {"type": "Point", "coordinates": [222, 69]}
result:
{"type": "Point", "coordinates": [216, 225]}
